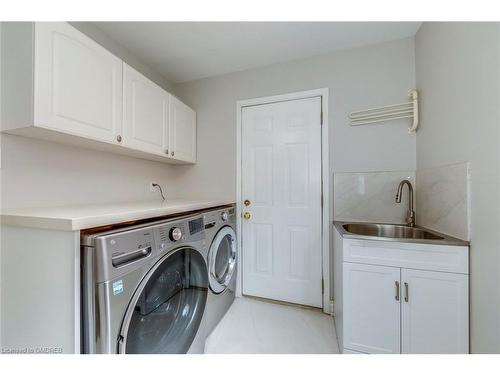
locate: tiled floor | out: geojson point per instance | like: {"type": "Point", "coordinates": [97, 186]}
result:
{"type": "Point", "coordinates": [253, 326]}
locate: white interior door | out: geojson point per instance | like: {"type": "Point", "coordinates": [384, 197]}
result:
{"type": "Point", "coordinates": [371, 308]}
{"type": "Point", "coordinates": [434, 312]}
{"type": "Point", "coordinates": [281, 178]}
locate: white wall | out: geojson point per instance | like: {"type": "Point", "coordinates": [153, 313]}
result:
{"type": "Point", "coordinates": [458, 75]}
{"type": "Point", "coordinates": [43, 174]}
{"type": "Point", "coordinates": [358, 78]}
{"type": "Point", "coordinates": [92, 31]}
{"type": "Point", "coordinates": [37, 173]}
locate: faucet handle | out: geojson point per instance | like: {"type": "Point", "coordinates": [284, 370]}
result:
{"type": "Point", "coordinates": [410, 218]}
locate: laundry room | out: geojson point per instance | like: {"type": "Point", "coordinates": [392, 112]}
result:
{"type": "Point", "coordinates": [249, 186]}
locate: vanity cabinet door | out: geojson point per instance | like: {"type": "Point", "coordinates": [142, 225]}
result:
{"type": "Point", "coordinates": [371, 308]}
{"type": "Point", "coordinates": [182, 131]}
{"type": "Point", "coordinates": [145, 120]}
{"type": "Point", "coordinates": [434, 312]}
{"type": "Point", "coordinates": [78, 84]}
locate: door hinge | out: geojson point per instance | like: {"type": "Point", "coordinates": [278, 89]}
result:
{"type": "Point", "coordinates": [322, 286]}
{"type": "Point", "coordinates": [322, 200]}
{"type": "Point", "coordinates": [321, 118]}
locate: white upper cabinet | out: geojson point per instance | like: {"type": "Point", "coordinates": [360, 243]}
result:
{"type": "Point", "coordinates": [60, 85]}
{"type": "Point", "coordinates": [145, 115]}
{"type": "Point", "coordinates": [78, 84]}
{"type": "Point", "coordinates": [182, 131]}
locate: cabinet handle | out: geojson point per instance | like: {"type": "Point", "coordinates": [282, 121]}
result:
{"type": "Point", "coordinates": [406, 292]}
{"type": "Point", "coordinates": [397, 290]}
{"type": "Point", "coordinates": [119, 138]}
{"type": "Point", "coordinates": [166, 151]}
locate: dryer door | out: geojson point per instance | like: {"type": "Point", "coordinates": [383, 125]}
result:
{"type": "Point", "coordinates": [167, 309]}
{"type": "Point", "coordinates": [222, 259]}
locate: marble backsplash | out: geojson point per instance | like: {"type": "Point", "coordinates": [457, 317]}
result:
{"type": "Point", "coordinates": [444, 199]}
{"type": "Point", "coordinates": [370, 196]}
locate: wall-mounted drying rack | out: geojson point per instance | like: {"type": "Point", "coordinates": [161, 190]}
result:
{"type": "Point", "coordinates": [389, 112]}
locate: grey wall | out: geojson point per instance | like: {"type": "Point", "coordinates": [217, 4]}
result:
{"type": "Point", "coordinates": [38, 173]}
{"type": "Point", "coordinates": [357, 79]}
{"type": "Point", "coordinates": [458, 75]}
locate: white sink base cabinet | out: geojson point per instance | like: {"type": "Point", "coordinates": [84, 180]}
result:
{"type": "Point", "coordinates": [393, 297]}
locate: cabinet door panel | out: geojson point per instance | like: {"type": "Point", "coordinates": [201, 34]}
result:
{"type": "Point", "coordinates": [435, 317]}
{"type": "Point", "coordinates": [145, 113]}
{"type": "Point", "coordinates": [371, 310]}
{"type": "Point", "coordinates": [183, 131]}
{"type": "Point", "coordinates": [78, 84]}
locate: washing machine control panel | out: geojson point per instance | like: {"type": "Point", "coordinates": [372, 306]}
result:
{"type": "Point", "coordinates": [196, 226]}
{"type": "Point", "coordinates": [187, 230]}
{"type": "Point", "coordinates": [175, 234]}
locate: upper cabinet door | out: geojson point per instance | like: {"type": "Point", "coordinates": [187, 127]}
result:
{"type": "Point", "coordinates": [78, 84]}
{"type": "Point", "coordinates": [371, 308]}
{"type": "Point", "coordinates": [145, 115]}
{"type": "Point", "coordinates": [434, 312]}
{"type": "Point", "coordinates": [183, 131]}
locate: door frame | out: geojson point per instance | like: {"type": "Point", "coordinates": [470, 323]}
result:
{"type": "Point", "coordinates": [325, 182]}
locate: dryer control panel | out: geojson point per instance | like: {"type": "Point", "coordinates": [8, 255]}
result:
{"type": "Point", "coordinates": [215, 219]}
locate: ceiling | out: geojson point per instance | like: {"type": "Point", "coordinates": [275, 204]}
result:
{"type": "Point", "coordinates": [186, 51]}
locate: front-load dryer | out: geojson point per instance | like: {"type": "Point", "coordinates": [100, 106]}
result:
{"type": "Point", "coordinates": [220, 229]}
{"type": "Point", "coordinates": [145, 288]}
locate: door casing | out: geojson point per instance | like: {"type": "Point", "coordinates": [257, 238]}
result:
{"type": "Point", "coordinates": [325, 182]}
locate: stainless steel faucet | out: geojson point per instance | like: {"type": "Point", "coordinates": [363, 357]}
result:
{"type": "Point", "coordinates": [410, 218]}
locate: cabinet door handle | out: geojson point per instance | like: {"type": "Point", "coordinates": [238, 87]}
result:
{"type": "Point", "coordinates": [397, 290]}
{"type": "Point", "coordinates": [406, 292]}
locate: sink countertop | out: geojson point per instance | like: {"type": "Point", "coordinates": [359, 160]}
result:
{"type": "Point", "coordinates": [447, 240]}
{"type": "Point", "coordinates": [73, 218]}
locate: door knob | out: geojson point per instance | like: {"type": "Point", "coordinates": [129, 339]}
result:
{"type": "Point", "coordinates": [247, 216]}
{"type": "Point", "coordinates": [246, 202]}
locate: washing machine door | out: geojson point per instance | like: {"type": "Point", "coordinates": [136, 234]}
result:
{"type": "Point", "coordinates": [167, 308]}
{"type": "Point", "coordinates": [222, 259]}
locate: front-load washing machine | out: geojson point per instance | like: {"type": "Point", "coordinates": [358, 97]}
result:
{"type": "Point", "coordinates": [145, 288]}
{"type": "Point", "coordinates": [220, 230]}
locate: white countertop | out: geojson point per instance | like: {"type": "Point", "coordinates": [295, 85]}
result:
{"type": "Point", "coordinates": [72, 218]}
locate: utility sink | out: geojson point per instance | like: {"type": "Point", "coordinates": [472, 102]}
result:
{"type": "Point", "coordinates": [390, 231]}
{"type": "Point", "coordinates": [395, 233]}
